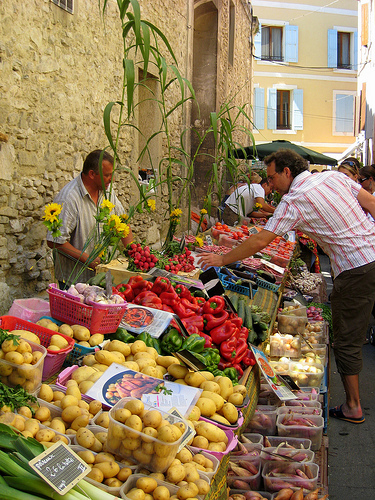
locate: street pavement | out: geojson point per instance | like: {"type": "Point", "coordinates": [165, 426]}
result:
{"type": "Point", "coordinates": [351, 447]}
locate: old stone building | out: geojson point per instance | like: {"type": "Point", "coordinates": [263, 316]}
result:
{"type": "Point", "coordinates": [60, 64]}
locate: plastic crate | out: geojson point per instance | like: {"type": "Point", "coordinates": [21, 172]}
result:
{"type": "Point", "coordinates": [244, 290]}
{"type": "Point", "coordinates": [98, 318]}
{"type": "Point", "coordinates": [77, 352]}
{"type": "Point", "coordinates": [267, 285]}
{"type": "Point", "coordinates": [53, 360]}
{"type": "Point", "coordinates": [29, 309]}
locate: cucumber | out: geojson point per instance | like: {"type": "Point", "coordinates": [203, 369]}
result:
{"type": "Point", "coordinates": [241, 308]}
{"type": "Point", "coordinates": [234, 299]}
{"type": "Point", "coordinates": [248, 321]}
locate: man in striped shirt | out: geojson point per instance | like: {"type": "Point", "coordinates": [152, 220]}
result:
{"type": "Point", "coordinates": [80, 200]}
{"type": "Point", "coordinates": [328, 207]}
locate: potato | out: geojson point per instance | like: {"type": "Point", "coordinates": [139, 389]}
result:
{"type": "Point", "coordinates": [45, 435]}
{"type": "Point", "coordinates": [177, 370]}
{"type": "Point", "coordinates": [119, 346]}
{"type": "Point", "coordinates": [203, 486]}
{"type": "Point", "coordinates": [84, 343]}
{"type": "Point", "coordinates": [80, 421]}
{"type": "Point", "coordinates": [23, 347]}
{"type": "Point", "coordinates": [42, 414]}
{"type": "Point", "coordinates": [152, 371]}
{"type": "Point", "coordinates": [96, 474]}
{"type": "Point", "coordinates": [152, 418]}
{"type": "Point", "coordinates": [135, 406]}
{"type": "Point", "coordinates": [109, 469]}
{"type": "Point", "coordinates": [136, 494]}
{"type": "Point", "coordinates": [185, 456]}
{"type": "Point", "coordinates": [161, 493]}
{"type": "Point", "coordinates": [37, 355]}
{"type": "Point", "coordinates": [25, 334]}
{"type": "Point", "coordinates": [27, 358]}
{"type": "Point", "coordinates": [194, 379]}
{"type": "Point", "coordinates": [85, 385]}
{"type": "Point", "coordinates": [97, 446]}
{"type": "Point", "coordinates": [124, 473]}
{"type": "Point", "coordinates": [58, 395]}
{"type": "Point", "coordinates": [241, 389]}
{"type": "Point", "coordinates": [216, 398]}
{"type": "Point", "coordinates": [236, 398]}
{"type": "Point", "coordinates": [132, 365]}
{"type": "Point", "coordinates": [230, 412]}
{"type": "Point", "coordinates": [68, 400]}
{"type": "Point", "coordinates": [101, 436]}
{"type": "Point", "coordinates": [95, 406]}
{"type": "Point", "coordinates": [25, 411]}
{"type": "Point", "coordinates": [96, 339]}
{"type": "Point", "coordinates": [45, 393]}
{"type": "Point", "coordinates": [58, 425]}
{"type": "Point", "coordinates": [81, 332]}
{"type": "Point", "coordinates": [138, 346]}
{"type": "Point", "coordinates": [189, 490]}
{"type": "Point", "coordinates": [226, 387]}
{"type": "Point", "coordinates": [82, 373]}
{"type": "Point", "coordinates": [14, 357]}
{"type": "Point", "coordinates": [66, 330]}
{"type": "Point", "coordinates": [71, 413]}
{"type": "Point", "coordinates": [73, 390]}
{"type": "Point", "coordinates": [32, 426]}
{"type": "Point", "coordinates": [59, 341]}
{"type": "Point", "coordinates": [147, 484]}
{"type": "Point", "coordinates": [175, 473]}
{"type": "Point", "coordinates": [207, 406]}
{"type": "Point", "coordinates": [87, 456]}
{"type": "Point", "coordinates": [220, 447]}
{"type": "Point", "coordinates": [211, 432]}
{"type": "Point", "coordinates": [165, 361]}
{"type": "Point", "coordinates": [47, 323]}
{"type": "Point", "coordinates": [220, 418]}
{"type": "Point", "coordinates": [58, 437]}
{"type": "Point", "coordinates": [89, 360]}
{"type": "Point", "coordinates": [194, 414]}
{"type": "Point", "coordinates": [210, 386]}
{"type": "Point", "coordinates": [94, 377]}
{"type": "Point", "coordinates": [85, 438]}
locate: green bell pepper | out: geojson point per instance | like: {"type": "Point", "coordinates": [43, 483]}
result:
{"type": "Point", "coordinates": [199, 357]}
{"type": "Point", "coordinates": [212, 356]}
{"type": "Point", "coordinates": [232, 374]}
{"type": "Point", "coordinates": [171, 341]}
{"type": "Point", "coordinates": [194, 343]}
{"type": "Point", "coordinates": [156, 345]}
{"type": "Point", "coordinates": [147, 339]}
{"type": "Point", "coordinates": [123, 335]}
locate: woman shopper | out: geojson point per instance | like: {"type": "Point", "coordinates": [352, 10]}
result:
{"type": "Point", "coordinates": [350, 167]}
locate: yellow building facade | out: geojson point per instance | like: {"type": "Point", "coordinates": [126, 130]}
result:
{"type": "Point", "coordinates": [305, 73]}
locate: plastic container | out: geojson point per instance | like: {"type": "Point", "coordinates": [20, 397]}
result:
{"type": "Point", "coordinates": [273, 484]}
{"type": "Point", "coordinates": [163, 452]}
{"type": "Point", "coordinates": [319, 351]}
{"type": "Point", "coordinates": [299, 403]}
{"type": "Point", "coordinates": [282, 410]}
{"type": "Point", "coordinates": [77, 353]}
{"type": "Point", "coordinates": [211, 457]}
{"type": "Point", "coordinates": [228, 285]}
{"type": "Point", "coordinates": [273, 287]}
{"type": "Point", "coordinates": [298, 443]}
{"type": "Point", "coordinates": [263, 421]}
{"type": "Point", "coordinates": [271, 454]}
{"type": "Point", "coordinates": [292, 324]}
{"type": "Point", "coordinates": [232, 443]}
{"type": "Point", "coordinates": [98, 318]}
{"type": "Point", "coordinates": [253, 480]}
{"type": "Point", "coordinates": [307, 374]}
{"type": "Point", "coordinates": [224, 426]}
{"type": "Point", "coordinates": [131, 482]}
{"type": "Point", "coordinates": [285, 345]}
{"type": "Point", "coordinates": [253, 451]}
{"type": "Point", "coordinates": [265, 494]}
{"type": "Point", "coordinates": [95, 429]}
{"type": "Point", "coordinates": [280, 367]}
{"type": "Point", "coordinates": [28, 376]}
{"type": "Point", "coordinates": [54, 359]}
{"type": "Point", "coordinates": [254, 437]}
{"type": "Point", "coordinates": [308, 393]}
{"type": "Point", "coordinates": [313, 432]}
{"type": "Point", "coordinates": [29, 309]}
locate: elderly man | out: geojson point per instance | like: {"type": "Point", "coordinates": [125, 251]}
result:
{"type": "Point", "coordinates": [329, 208]}
{"type": "Point", "coordinates": [80, 200]}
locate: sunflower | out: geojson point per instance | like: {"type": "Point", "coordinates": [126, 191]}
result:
{"type": "Point", "coordinates": [51, 212]}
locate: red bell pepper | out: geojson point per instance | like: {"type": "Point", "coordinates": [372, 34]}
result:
{"type": "Point", "coordinates": [228, 348]}
{"type": "Point", "coordinates": [200, 300]}
{"type": "Point", "coordinates": [241, 350]}
{"type": "Point", "coordinates": [249, 359]}
{"type": "Point", "coordinates": [222, 332]}
{"type": "Point", "coordinates": [236, 320]}
{"type": "Point", "coordinates": [182, 311]}
{"type": "Point", "coordinates": [148, 299]}
{"type": "Point", "coordinates": [126, 290]}
{"type": "Point", "coordinates": [239, 369]}
{"type": "Point", "coordinates": [139, 286]}
{"type": "Point", "coordinates": [213, 320]}
{"type": "Point", "coordinates": [182, 291]}
{"type": "Point", "coordinates": [208, 339]}
{"type": "Point", "coordinates": [135, 279]}
{"type": "Point", "coordinates": [175, 325]}
{"type": "Point", "coordinates": [170, 297]}
{"type": "Point", "coordinates": [190, 304]}
{"type": "Point", "coordinates": [214, 304]}
{"type": "Point", "coordinates": [117, 292]}
{"type": "Point", "coordinates": [194, 320]}
{"type": "Point", "coordinates": [243, 333]}
{"type": "Point", "coordinates": [167, 308]}
{"type": "Point", "coordinates": [160, 285]}
{"type": "Point", "coordinates": [191, 329]}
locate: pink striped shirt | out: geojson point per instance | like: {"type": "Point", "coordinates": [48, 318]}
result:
{"type": "Point", "coordinates": [325, 207]}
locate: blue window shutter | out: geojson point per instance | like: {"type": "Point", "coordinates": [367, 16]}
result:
{"type": "Point", "coordinates": [332, 48]}
{"type": "Point", "coordinates": [259, 108]}
{"type": "Point", "coordinates": [258, 43]}
{"type": "Point", "coordinates": [271, 109]}
{"type": "Point", "coordinates": [298, 109]}
{"type": "Point", "coordinates": [345, 113]}
{"type": "Point", "coordinates": [355, 44]}
{"type": "Point", "coordinates": [291, 43]}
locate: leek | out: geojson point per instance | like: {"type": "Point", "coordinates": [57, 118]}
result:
{"type": "Point", "coordinates": [38, 486]}
{"type": "Point", "coordinates": [8, 493]}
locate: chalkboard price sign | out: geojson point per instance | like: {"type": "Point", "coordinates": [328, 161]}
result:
{"type": "Point", "coordinates": [60, 467]}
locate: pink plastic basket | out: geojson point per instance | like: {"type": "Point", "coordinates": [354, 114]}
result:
{"type": "Point", "coordinates": [54, 359]}
{"type": "Point", "coordinates": [98, 318]}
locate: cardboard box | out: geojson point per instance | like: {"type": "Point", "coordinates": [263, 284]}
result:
{"type": "Point", "coordinates": [119, 270]}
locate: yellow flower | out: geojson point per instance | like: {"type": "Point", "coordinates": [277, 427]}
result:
{"type": "Point", "coordinates": [124, 217]}
{"type": "Point", "coordinates": [257, 206]}
{"type": "Point", "coordinates": [151, 204]}
{"type": "Point", "coordinates": [107, 204]}
{"type": "Point", "coordinates": [51, 212]}
{"type": "Point", "coordinates": [176, 213]}
{"type": "Point", "coordinates": [198, 242]}
{"type": "Point", "coordinates": [203, 211]}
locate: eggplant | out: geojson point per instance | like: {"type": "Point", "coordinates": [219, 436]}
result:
{"type": "Point", "coordinates": [265, 275]}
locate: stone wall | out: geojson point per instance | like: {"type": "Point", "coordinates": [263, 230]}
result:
{"type": "Point", "coordinates": [57, 73]}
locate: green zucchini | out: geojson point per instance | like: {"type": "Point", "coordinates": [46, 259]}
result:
{"type": "Point", "coordinates": [234, 299]}
{"type": "Point", "coordinates": [241, 308]}
{"type": "Point", "coordinates": [248, 321]}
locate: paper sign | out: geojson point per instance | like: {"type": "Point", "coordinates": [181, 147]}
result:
{"type": "Point", "coordinates": [138, 319]}
{"type": "Point", "coordinates": [119, 382]}
{"type": "Point", "coordinates": [276, 384]}
{"type": "Point", "coordinates": [60, 467]}
{"type": "Point", "coordinates": [208, 240]}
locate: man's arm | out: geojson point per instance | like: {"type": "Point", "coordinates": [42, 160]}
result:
{"type": "Point", "coordinates": [68, 249]}
{"type": "Point", "coordinates": [367, 201]}
{"type": "Point", "coordinates": [249, 247]}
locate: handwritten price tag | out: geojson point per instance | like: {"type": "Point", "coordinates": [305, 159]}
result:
{"type": "Point", "coordinates": [60, 467]}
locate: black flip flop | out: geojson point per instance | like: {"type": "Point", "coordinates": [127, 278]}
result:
{"type": "Point", "coordinates": [337, 413]}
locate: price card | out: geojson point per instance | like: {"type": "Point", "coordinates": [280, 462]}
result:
{"type": "Point", "coordinates": [208, 240]}
{"type": "Point", "coordinates": [60, 467]}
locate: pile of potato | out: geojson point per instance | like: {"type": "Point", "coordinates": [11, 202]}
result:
{"type": "Point", "coordinates": [79, 333]}
{"type": "Point", "coordinates": [143, 435]}
{"type": "Point", "coordinates": [105, 469]}
{"type": "Point", "coordinates": [24, 356]}
{"type": "Point", "coordinates": [219, 397]}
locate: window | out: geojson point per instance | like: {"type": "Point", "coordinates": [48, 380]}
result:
{"type": "Point", "coordinates": [342, 49]}
{"type": "Point", "coordinates": [272, 37]}
{"type": "Point", "coordinates": [259, 108]}
{"type": "Point", "coordinates": [285, 109]}
{"type": "Point", "coordinates": [343, 113]}
{"type": "Point", "coordinates": [65, 4]}
{"type": "Point", "coordinates": [276, 43]}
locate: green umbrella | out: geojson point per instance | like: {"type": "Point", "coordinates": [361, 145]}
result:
{"type": "Point", "coordinates": [263, 150]}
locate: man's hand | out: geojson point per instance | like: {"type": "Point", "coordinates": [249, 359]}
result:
{"type": "Point", "coordinates": [207, 260]}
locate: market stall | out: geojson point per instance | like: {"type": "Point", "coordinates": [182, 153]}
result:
{"type": "Point", "coordinates": [160, 369]}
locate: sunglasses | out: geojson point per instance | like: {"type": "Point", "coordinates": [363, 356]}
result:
{"type": "Point", "coordinates": [363, 180]}
{"type": "Point", "coordinates": [350, 163]}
